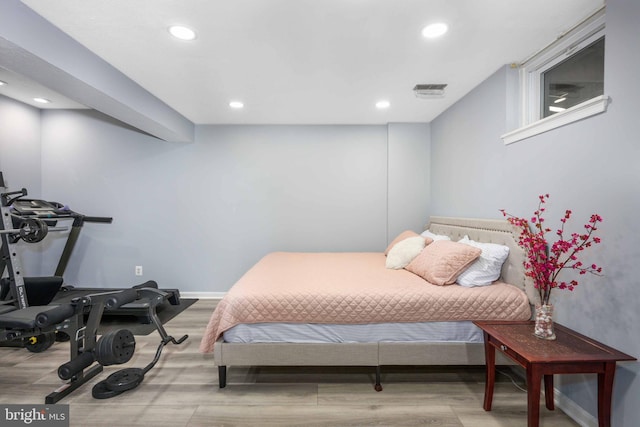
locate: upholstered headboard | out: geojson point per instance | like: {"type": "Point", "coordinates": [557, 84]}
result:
{"type": "Point", "coordinates": [490, 231]}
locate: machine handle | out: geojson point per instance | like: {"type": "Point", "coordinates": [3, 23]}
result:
{"type": "Point", "coordinates": [73, 367]}
{"type": "Point", "coordinates": [55, 315]}
{"type": "Point", "coordinates": [114, 301]}
{"type": "Point", "coordinates": [6, 201]}
{"type": "Point", "coordinates": [104, 219]}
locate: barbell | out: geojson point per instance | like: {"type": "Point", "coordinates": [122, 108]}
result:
{"type": "Point", "coordinates": [32, 230]}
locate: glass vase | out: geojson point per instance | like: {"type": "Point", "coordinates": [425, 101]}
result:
{"type": "Point", "coordinates": [544, 322]}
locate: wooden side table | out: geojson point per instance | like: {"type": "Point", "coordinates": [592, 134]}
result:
{"type": "Point", "coordinates": [570, 353]}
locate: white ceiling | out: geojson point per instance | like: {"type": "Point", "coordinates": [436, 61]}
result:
{"type": "Point", "coordinates": [311, 61]}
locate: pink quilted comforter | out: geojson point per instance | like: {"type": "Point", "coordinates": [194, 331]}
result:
{"type": "Point", "coordinates": [352, 288]}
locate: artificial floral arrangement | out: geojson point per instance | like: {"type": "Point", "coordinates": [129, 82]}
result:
{"type": "Point", "coordinates": [545, 262]}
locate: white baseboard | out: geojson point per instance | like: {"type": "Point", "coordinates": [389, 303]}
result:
{"type": "Point", "coordinates": [203, 295]}
{"type": "Point", "coordinates": [573, 410]}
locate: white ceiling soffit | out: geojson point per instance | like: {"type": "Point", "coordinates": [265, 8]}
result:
{"type": "Point", "coordinates": [310, 61]}
{"type": "Point", "coordinates": [26, 90]}
{"type": "Point", "coordinates": [32, 47]}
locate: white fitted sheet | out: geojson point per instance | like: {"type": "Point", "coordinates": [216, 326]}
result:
{"type": "Point", "coordinates": [458, 331]}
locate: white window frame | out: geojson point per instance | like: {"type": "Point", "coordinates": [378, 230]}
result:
{"type": "Point", "coordinates": [532, 70]}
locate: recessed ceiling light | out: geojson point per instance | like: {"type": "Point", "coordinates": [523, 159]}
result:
{"type": "Point", "coordinates": [41, 100]}
{"type": "Point", "coordinates": [182, 33]}
{"type": "Point", "coordinates": [383, 104]}
{"type": "Point", "coordinates": [435, 30]}
{"type": "Point", "coordinates": [236, 104]}
{"type": "Point", "coordinates": [2, 83]}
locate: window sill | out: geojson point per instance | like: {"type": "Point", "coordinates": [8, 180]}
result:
{"type": "Point", "coordinates": [588, 108]}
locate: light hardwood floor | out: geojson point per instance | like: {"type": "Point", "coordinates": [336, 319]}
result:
{"type": "Point", "coordinates": [182, 390]}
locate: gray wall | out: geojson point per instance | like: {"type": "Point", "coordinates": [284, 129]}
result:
{"type": "Point", "coordinates": [468, 159]}
{"type": "Point", "coordinates": [197, 216]}
{"type": "Point", "coordinates": [409, 177]}
{"type": "Point", "coordinates": [20, 162]}
{"type": "Point", "coordinates": [590, 167]}
{"type": "Point", "coordinates": [20, 145]}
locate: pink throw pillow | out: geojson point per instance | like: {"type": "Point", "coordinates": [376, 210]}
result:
{"type": "Point", "coordinates": [442, 261]}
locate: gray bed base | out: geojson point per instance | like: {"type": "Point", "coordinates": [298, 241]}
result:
{"type": "Point", "coordinates": [377, 354]}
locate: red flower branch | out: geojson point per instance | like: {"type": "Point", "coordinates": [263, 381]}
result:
{"type": "Point", "coordinates": [543, 262]}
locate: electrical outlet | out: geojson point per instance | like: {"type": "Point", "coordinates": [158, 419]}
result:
{"type": "Point", "coordinates": [138, 270]}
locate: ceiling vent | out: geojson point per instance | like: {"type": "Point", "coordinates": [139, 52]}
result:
{"type": "Point", "coordinates": [429, 90]}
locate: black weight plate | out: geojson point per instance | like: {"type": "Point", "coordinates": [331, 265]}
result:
{"type": "Point", "coordinates": [125, 379]}
{"type": "Point", "coordinates": [33, 230]}
{"type": "Point", "coordinates": [115, 347]}
{"type": "Point", "coordinates": [103, 352]}
{"type": "Point", "coordinates": [124, 345]}
{"type": "Point", "coordinates": [101, 391]}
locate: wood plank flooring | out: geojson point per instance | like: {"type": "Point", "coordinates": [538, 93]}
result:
{"type": "Point", "coordinates": [182, 390]}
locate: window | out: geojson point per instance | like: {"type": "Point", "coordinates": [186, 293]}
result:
{"type": "Point", "coordinates": [563, 82]}
{"type": "Point", "coordinates": [577, 79]}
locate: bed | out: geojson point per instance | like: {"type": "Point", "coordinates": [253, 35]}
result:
{"type": "Point", "coordinates": [349, 309]}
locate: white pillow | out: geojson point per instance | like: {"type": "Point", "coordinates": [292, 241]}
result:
{"type": "Point", "coordinates": [434, 236]}
{"type": "Point", "coordinates": [404, 252]}
{"type": "Point", "coordinates": [486, 269]}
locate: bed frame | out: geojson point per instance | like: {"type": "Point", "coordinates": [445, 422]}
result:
{"type": "Point", "coordinates": [377, 354]}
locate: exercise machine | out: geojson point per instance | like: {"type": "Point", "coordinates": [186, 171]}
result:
{"type": "Point", "coordinates": [129, 378]}
{"type": "Point", "coordinates": [30, 220]}
{"type": "Point", "coordinates": [115, 347]}
{"type": "Point", "coordinates": [29, 314]}
{"type": "Point", "coordinates": [88, 353]}
{"type": "Point", "coordinates": [18, 293]}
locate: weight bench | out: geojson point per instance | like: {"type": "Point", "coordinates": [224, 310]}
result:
{"type": "Point", "coordinates": [85, 347]}
{"type": "Point", "coordinates": [23, 319]}
{"type": "Point", "coordinates": [138, 308]}
{"type": "Point", "coordinates": [17, 322]}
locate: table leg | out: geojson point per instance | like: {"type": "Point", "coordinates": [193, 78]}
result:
{"type": "Point", "coordinates": [605, 391]}
{"type": "Point", "coordinates": [490, 362]}
{"type": "Point", "coordinates": [534, 380]}
{"type": "Point", "coordinates": [548, 392]}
